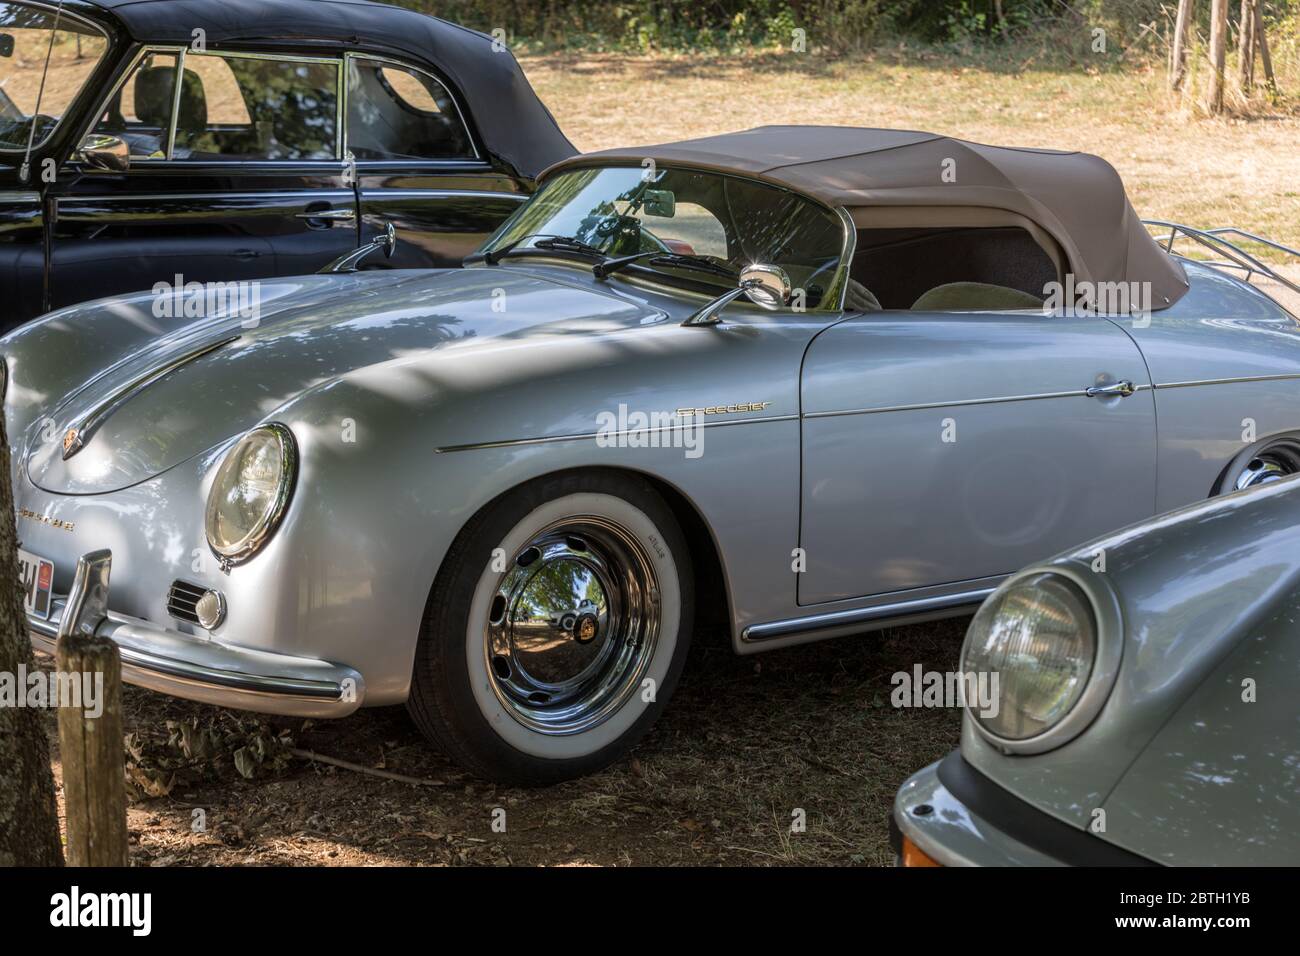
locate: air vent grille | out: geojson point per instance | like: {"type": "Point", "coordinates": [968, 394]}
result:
{"type": "Point", "coordinates": [181, 600]}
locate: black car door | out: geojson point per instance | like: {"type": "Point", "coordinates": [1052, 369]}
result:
{"type": "Point", "coordinates": [236, 173]}
{"type": "Point", "coordinates": [418, 165]}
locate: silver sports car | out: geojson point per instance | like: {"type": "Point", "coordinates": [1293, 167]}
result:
{"type": "Point", "coordinates": [1147, 707]}
{"type": "Point", "coordinates": [801, 381]}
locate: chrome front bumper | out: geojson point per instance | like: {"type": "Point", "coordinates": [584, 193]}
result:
{"type": "Point", "coordinates": [170, 662]}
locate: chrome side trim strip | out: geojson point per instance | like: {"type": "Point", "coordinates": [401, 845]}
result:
{"type": "Point", "coordinates": [862, 615]}
{"type": "Point", "coordinates": [438, 194]}
{"type": "Point", "coordinates": [1282, 377]}
{"type": "Point", "coordinates": [590, 436]}
{"type": "Point", "coordinates": [305, 195]}
{"type": "Point", "coordinates": [996, 400]}
{"type": "Point", "coordinates": [1003, 399]}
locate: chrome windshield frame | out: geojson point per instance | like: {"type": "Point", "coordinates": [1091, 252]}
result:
{"type": "Point", "coordinates": [832, 300]}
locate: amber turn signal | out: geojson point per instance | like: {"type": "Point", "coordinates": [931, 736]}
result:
{"type": "Point", "coordinates": [913, 856]}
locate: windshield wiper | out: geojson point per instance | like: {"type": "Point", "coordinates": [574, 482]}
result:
{"type": "Point", "coordinates": [676, 260]}
{"type": "Point", "coordinates": [563, 243]}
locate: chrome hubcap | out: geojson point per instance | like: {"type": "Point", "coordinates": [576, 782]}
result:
{"type": "Point", "coordinates": [1272, 464]}
{"type": "Point", "coordinates": [572, 626]}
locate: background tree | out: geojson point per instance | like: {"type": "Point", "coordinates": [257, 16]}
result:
{"type": "Point", "coordinates": [29, 821]}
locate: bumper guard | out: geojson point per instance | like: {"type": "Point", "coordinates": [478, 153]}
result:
{"type": "Point", "coordinates": [170, 662]}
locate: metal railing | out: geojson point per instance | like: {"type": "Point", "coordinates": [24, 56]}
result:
{"type": "Point", "coordinates": [1234, 257]}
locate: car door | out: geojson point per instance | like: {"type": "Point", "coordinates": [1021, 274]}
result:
{"type": "Point", "coordinates": [418, 165]}
{"type": "Point", "coordinates": [22, 257]}
{"type": "Point", "coordinates": [236, 173]}
{"type": "Point", "coordinates": [955, 447]}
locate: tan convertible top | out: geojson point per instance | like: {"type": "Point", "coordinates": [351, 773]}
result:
{"type": "Point", "coordinates": [1077, 199]}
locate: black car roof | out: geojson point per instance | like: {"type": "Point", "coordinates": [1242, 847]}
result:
{"type": "Point", "coordinates": [513, 123]}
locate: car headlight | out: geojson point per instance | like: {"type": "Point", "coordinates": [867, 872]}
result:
{"type": "Point", "coordinates": [251, 492]}
{"type": "Point", "coordinates": [1039, 636]}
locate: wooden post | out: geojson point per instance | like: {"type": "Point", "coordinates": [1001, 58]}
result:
{"type": "Point", "coordinates": [1261, 41]}
{"type": "Point", "coordinates": [1182, 34]}
{"type": "Point", "coordinates": [94, 772]}
{"type": "Point", "coordinates": [1246, 46]}
{"type": "Point", "coordinates": [1218, 55]}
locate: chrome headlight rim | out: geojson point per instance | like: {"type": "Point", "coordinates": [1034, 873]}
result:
{"type": "Point", "coordinates": [252, 543]}
{"type": "Point", "coordinates": [1109, 623]}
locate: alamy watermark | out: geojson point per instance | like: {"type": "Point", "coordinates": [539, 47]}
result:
{"type": "Point", "coordinates": [628, 428]}
{"type": "Point", "coordinates": [42, 689]}
{"type": "Point", "coordinates": [1073, 299]}
{"type": "Point", "coordinates": [201, 300]}
{"type": "Point", "coordinates": [921, 688]}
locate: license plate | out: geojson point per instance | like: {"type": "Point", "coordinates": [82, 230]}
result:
{"type": "Point", "coordinates": [37, 578]}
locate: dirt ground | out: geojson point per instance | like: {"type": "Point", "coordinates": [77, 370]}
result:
{"type": "Point", "coordinates": [746, 742]}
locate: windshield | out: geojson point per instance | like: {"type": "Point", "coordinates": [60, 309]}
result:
{"type": "Point", "coordinates": [25, 34]}
{"type": "Point", "coordinates": [709, 217]}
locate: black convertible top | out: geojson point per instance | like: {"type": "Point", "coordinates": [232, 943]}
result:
{"type": "Point", "coordinates": [512, 122]}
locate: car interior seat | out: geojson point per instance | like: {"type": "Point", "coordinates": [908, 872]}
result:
{"type": "Point", "coordinates": [154, 94]}
{"type": "Point", "coordinates": [975, 297]}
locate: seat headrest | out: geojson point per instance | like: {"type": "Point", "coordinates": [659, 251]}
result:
{"type": "Point", "coordinates": [154, 92]}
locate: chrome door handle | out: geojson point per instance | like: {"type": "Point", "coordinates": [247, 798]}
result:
{"type": "Point", "coordinates": [334, 215]}
{"type": "Point", "coordinates": [1118, 390]}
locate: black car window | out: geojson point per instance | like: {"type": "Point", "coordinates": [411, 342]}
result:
{"type": "Point", "coordinates": [140, 112]}
{"type": "Point", "coordinates": [395, 112]}
{"type": "Point", "coordinates": [28, 91]}
{"type": "Point", "coordinates": [275, 109]}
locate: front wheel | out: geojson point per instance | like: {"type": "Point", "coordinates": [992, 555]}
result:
{"type": "Point", "coordinates": [556, 629]}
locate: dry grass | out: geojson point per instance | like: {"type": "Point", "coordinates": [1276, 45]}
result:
{"type": "Point", "coordinates": [745, 742]}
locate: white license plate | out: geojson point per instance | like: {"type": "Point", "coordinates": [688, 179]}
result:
{"type": "Point", "coordinates": [37, 578]}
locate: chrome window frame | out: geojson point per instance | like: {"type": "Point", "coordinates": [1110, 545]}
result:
{"type": "Point", "coordinates": [477, 159]}
{"type": "Point", "coordinates": [62, 12]}
{"type": "Point", "coordinates": [181, 53]}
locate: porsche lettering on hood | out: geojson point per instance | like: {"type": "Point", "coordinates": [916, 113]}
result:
{"type": "Point", "coordinates": [154, 410]}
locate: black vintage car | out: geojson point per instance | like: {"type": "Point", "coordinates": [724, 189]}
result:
{"type": "Point", "coordinates": [225, 140]}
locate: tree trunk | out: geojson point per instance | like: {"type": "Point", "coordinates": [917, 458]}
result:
{"type": "Point", "coordinates": [29, 820]}
{"type": "Point", "coordinates": [1261, 41]}
{"type": "Point", "coordinates": [1246, 46]}
{"type": "Point", "coordinates": [1218, 55]}
{"type": "Point", "coordinates": [1182, 37]}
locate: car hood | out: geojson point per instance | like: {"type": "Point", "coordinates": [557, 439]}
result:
{"type": "Point", "coordinates": [204, 383]}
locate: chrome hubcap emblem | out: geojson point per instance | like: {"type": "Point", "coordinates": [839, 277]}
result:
{"type": "Point", "coordinates": [572, 626]}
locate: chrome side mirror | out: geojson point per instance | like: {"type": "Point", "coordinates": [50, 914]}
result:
{"type": "Point", "coordinates": [386, 242]}
{"type": "Point", "coordinates": [107, 154]}
{"type": "Point", "coordinates": [766, 286]}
